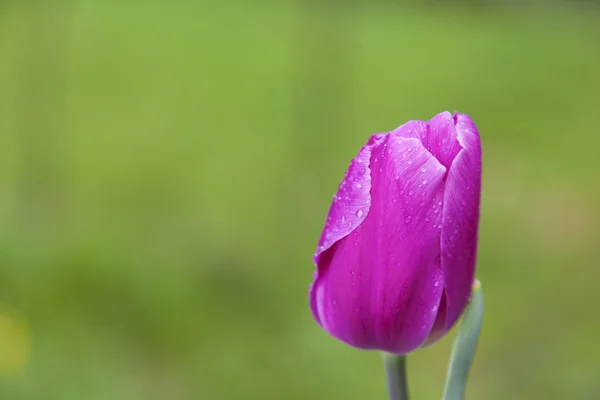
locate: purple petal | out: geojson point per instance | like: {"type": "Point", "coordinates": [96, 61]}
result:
{"type": "Point", "coordinates": [352, 201]}
{"type": "Point", "coordinates": [379, 286]}
{"type": "Point", "coordinates": [442, 141]}
{"type": "Point", "coordinates": [350, 204]}
{"type": "Point", "coordinates": [461, 219]}
{"type": "Point", "coordinates": [438, 136]}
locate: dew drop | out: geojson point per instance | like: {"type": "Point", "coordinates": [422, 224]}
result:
{"type": "Point", "coordinates": [397, 177]}
{"type": "Point", "coordinates": [359, 213]}
{"type": "Point", "coordinates": [436, 211]}
{"type": "Point", "coordinates": [440, 226]}
{"type": "Point", "coordinates": [380, 169]}
{"type": "Point", "coordinates": [389, 151]}
{"type": "Point", "coordinates": [362, 171]}
{"type": "Point", "coordinates": [409, 149]}
{"type": "Point", "coordinates": [401, 192]}
{"type": "Point", "coordinates": [343, 219]}
{"type": "Point", "coordinates": [408, 219]}
{"type": "Point", "coordinates": [409, 162]}
{"type": "Point", "coordinates": [424, 181]}
{"type": "Point", "coordinates": [422, 203]}
{"type": "Point", "coordinates": [410, 193]}
{"type": "Point", "coordinates": [436, 284]}
{"type": "Point", "coordinates": [358, 185]}
{"type": "Point", "coordinates": [427, 218]}
{"type": "Point", "coordinates": [423, 169]}
{"type": "Point", "coordinates": [440, 203]}
{"type": "Point", "coordinates": [394, 200]}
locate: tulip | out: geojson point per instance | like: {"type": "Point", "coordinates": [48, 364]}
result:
{"type": "Point", "coordinates": [396, 259]}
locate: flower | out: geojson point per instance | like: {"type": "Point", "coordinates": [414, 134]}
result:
{"type": "Point", "coordinates": [396, 259]}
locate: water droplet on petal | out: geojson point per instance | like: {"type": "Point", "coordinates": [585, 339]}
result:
{"type": "Point", "coordinates": [409, 162]}
{"type": "Point", "coordinates": [358, 185]}
{"type": "Point", "coordinates": [410, 193]}
{"type": "Point", "coordinates": [436, 211]}
{"type": "Point", "coordinates": [424, 181]}
{"type": "Point", "coordinates": [423, 169]}
{"type": "Point", "coordinates": [408, 219]}
{"type": "Point", "coordinates": [440, 203]}
{"type": "Point", "coordinates": [359, 213]}
{"type": "Point", "coordinates": [397, 177]}
{"type": "Point", "coordinates": [422, 203]}
{"type": "Point", "coordinates": [394, 200]}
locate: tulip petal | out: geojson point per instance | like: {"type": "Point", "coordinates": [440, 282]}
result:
{"type": "Point", "coordinates": [461, 219]}
{"type": "Point", "coordinates": [352, 201]}
{"type": "Point", "coordinates": [379, 286]}
{"type": "Point", "coordinates": [442, 139]}
{"type": "Point", "coordinates": [350, 204]}
{"type": "Point", "coordinates": [438, 136]}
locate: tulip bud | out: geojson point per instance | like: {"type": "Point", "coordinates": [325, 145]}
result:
{"type": "Point", "coordinates": [396, 259]}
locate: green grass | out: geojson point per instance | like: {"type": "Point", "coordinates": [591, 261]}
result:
{"type": "Point", "coordinates": [166, 170]}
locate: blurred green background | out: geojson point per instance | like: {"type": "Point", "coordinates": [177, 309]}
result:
{"type": "Point", "coordinates": [166, 167]}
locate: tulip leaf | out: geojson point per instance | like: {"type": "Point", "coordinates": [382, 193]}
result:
{"type": "Point", "coordinates": [465, 346]}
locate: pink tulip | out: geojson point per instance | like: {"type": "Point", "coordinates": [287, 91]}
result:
{"type": "Point", "coordinates": [396, 259]}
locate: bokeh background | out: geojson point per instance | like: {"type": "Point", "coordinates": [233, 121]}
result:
{"type": "Point", "coordinates": [166, 168]}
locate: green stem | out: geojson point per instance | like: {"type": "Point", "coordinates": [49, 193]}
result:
{"type": "Point", "coordinates": [465, 345]}
{"type": "Point", "coordinates": [395, 368]}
